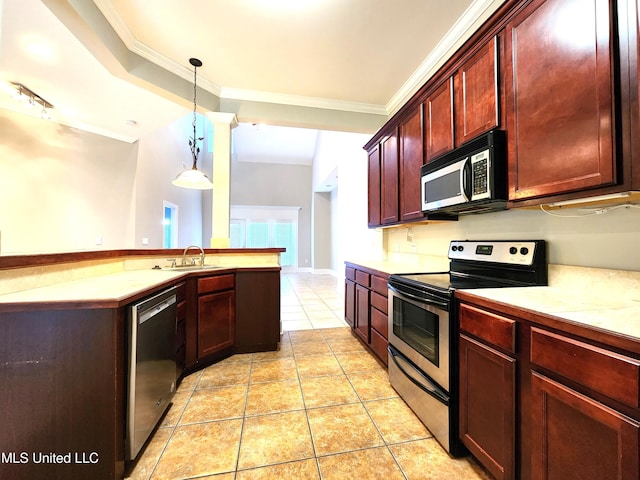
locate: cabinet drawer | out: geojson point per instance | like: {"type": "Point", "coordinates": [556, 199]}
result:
{"type": "Point", "coordinates": [363, 278]}
{"type": "Point", "coordinates": [614, 375]}
{"type": "Point", "coordinates": [492, 328]}
{"type": "Point", "coordinates": [379, 302]}
{"type": "Point", "coordinates": [350, 273]}
{"type": "Point", "coordinates": [379, 284]}
{"type": "Point", "coordinates": [214, 284]}
{"type": "Point", "coordinates": [380, 322]}
{"type": "Point", "coordinates": [379, 346]}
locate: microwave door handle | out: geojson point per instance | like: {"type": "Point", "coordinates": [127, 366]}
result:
{"type": "Point", "coordinates": [465, 179]}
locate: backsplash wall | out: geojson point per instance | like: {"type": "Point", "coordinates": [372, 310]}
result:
{"type": "Point", "coordinates": [608, 240]}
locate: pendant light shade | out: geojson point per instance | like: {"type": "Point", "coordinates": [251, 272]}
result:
{"type": "Point", "coordinates": [194, 178]}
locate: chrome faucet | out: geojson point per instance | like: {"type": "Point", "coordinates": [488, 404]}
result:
{"type": "Point", "coordinates": [184, 254]}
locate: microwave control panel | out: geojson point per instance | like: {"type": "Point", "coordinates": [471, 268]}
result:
{"type": "Point", "coordinates": [480, 172]}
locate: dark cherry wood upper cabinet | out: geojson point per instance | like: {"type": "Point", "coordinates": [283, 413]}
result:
{"type": "Point", "coordinates": [559, 98]}
{"type": "Point", "coordinates": [476, 86]}
{"type": "Point", "coordinates": [629, 55]}
{"type": "Point", "coordinates": [389, 179]}
{"type": "Point", "coordinates": [374, 187]}
{"type": "Point", "coordinates": [575, 436]}
{"type": "Point", "coordinates": [411, 159]}
{"type": "Point", "coordinates": [438, 121]}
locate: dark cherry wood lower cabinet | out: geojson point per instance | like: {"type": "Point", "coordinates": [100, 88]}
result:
{"type": "Point", "coordinates": [365, 307]}
{"type": "Point", "coordinates": [257, 310]}
{"type": "Point", "coordinates": [216, 314]}
{"type": "Point", "coordinates": [362, 324]}
{"type": "Point", "coordinates": [350, 302]}
{"type": "Point", "coordinates": [544, 400]}
{"type": "Point", "coordinates": [216, 322]}
{"type": "Point", "coordinates": [62, 376]}
{"type": "Point", "coordinates": [487, 406]}
{"type": "Point", "coordinates": [576, 437]}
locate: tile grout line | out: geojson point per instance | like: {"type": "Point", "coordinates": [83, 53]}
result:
{"type": "Point", "coordinates": [306, 413]}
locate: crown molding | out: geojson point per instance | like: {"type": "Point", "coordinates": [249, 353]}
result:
{"type": "Point", "coordinates": [117, 23]}
{"type": "Point", "coordinates": [301, 101]}
{"type": "Point", "coordinates": [461, 31]}
{"type": "Point", "coordinates": [464, 27]}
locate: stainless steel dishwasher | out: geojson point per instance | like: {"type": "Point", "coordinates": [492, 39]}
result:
{"type": "Point", "coordinates": [151, 366]}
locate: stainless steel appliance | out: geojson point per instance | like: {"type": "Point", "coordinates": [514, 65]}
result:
{"type": "Point", "coordinates": [470, 179]}
{"type": "Point", "coordinates": [423, 326]}
{"type": "Point", "coordinates": [151, 366]}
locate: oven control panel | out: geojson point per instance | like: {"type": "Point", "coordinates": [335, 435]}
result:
{"type": "Point", "coordinates": [503, 251]}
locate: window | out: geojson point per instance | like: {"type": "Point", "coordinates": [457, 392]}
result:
{"type": "Point", "coordinates": [266, 227]}
{"type": "Point", "coordinates": [169, 225]}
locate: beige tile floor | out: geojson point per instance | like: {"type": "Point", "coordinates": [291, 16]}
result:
{"type": "Point", "coordinates": [311, 301]}
{"type": "Point", "coordinates": [319, 408]}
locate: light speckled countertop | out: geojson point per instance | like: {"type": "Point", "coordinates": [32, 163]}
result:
{"type": "Point", "coordinates": [618, 313]}
{"type": "Point", "coordinates": [603, 299]}
{"type": "Point", "coordinates": [424, 264]}
{"type": "Point", "coordinates": [111, 287]}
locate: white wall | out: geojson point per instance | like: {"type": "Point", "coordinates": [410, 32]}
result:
{"type": "Point", "coordinates": [275, 184]}
{"type": "Point", "coordinates": [603, 241]}
{"type": "Point", "coordinates": [322, 231]}
{"type": "Point", "coordinates": [160, 158]}
{"type": "Point", "coordinates": [350, 237]}
{"type": "Point", "coordinates": [60, 188]}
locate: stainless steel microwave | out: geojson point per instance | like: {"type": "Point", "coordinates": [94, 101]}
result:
{"type": "Point", "coordinates": [469, 179]}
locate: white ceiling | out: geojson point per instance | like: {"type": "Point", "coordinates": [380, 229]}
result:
{"type": "Point", "coordinates": [38, 51]}
{"type": "Point", "coordinates": [342, 56]}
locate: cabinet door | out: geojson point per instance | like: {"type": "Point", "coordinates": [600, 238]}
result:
{"type": "Point", "coordinates": [216, 319]}
{"type": "Point", "coordinates": [438, 122]}
{"type": "Point", "coordinates": [574, 436]}
{"type": "Point", "coordinates": [257, 311]}
{"type": "Point", "coordinates": [560, 98]}
{"type": "Point", "coordinates": [350, 302]}
{"type": "Point", "coordinates": [487, 406]}
{"type": "Point", "coordinates": [374, 187]}
{"type": "Point", "coordinates": [389, 180]}
{"type": "Point", "coordinates": [411, 159]}
{"type": "Point", "coordinates": [477, 94]}
{"type": "Point", "coordinates": [362, 312]}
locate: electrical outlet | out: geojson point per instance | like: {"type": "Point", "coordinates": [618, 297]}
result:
{"type": "Point", "coordinates": [145, 241]}
{"type": "Point", "coordinates": [98, 240]}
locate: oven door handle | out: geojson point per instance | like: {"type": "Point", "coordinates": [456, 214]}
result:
{"type": "Point", "coordinates": [428, 299]}
{"type": "Point", "coordinates": [424, 383]}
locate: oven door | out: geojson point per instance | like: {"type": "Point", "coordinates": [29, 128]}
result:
{"type": "Point", "coordinates": [419, 329]}
{"type": "Point", "coordinates": [446, 186]}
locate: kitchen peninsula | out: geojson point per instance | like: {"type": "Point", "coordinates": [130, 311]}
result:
{"type": "Point", "coordinates": [64, 345]}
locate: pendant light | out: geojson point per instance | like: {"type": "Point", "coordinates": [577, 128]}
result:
{"type": "Point", "coordinates": [194, 178]}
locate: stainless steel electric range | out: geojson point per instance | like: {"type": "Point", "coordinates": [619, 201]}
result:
{"type": "Point", "coordinates": [423, 324]}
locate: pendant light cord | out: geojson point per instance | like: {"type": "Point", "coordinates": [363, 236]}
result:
{"type": "Point", "coordinates": [195, 156]}
{"type": "Point", "coordinates": [195, 150]}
